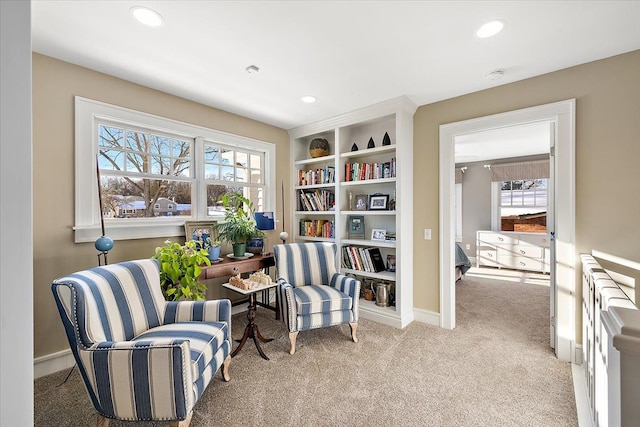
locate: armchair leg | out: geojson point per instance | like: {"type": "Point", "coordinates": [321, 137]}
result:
{"type": "Point", "coordinates": [183, 423]}
{"type": "Point", "coordinates": [225, 368]}
{"type": "Point", "coordinates": [292, 337]}
{"type": "Point", "coordinates": [354, 327]}
{"type": "Point", "coordinates": [102, 421]}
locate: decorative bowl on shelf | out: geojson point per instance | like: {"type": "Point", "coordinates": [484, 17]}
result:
{"type": "Point", "coordinates": [319, 147]}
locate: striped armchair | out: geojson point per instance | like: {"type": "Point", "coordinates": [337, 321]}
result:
{"type": "Point", "coordinates": [141, 357]}
{"type": "Point", "coordinates": [312, 294]}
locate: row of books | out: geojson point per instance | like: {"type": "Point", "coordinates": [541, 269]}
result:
{"type": "Point", "coordinates": [317, 176]}
{"type": "Point", "coordinates": [316, 228]}
{"type": "Point", "coordinates": [317, 200]}
{"type": "Point", "coordinates": [362, 259]}
{"type": "Point", "coordinates": [363, 171]}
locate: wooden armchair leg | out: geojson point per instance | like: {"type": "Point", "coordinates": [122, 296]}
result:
{"type": "Point", "coordinates": [354, 327]}
{"type": "Point", "coordinates": [102, 421]}
{"type": "Point", "coordinates": [183, 423]}
{"type": "Point", "coordinates": [292, 337]}
{"type": "Point", "coordinates": [225, 368]}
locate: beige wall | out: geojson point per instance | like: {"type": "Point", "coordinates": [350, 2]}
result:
{"type": "Point", "coordinates": [55, 83]}
{"type": "Point", "coordinates": [607, 94]}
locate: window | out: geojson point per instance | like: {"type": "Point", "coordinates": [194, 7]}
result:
{"type": "Point", "coordinates": [155, 173]}
{"type": "Point", "coordinates": [523, 205]}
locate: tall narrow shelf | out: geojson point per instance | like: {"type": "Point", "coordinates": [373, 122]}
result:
{"type": "Point", "coordinates": [394, 117]}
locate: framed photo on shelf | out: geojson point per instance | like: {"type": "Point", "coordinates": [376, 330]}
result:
{"type": "Point", "coordinates": [391, 263]}
{"type": "Point", "coordinates": [200, 231]}
{"type": "Point", "coordinates": [355, 227]}
{"type": "Point", "coordinates": [361, 202]}
{"type": "Point", "coordinates": [378, 234]}
{"type": "Point", "coordinates": [379, 202]}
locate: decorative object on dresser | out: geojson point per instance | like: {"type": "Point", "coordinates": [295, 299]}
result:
{"type": "Point", "coordinates": [203, 233]}
{"type": "Point", "coordinates": [313, 294]}
{"type": "Point", "coordinates": [319, 147]}
{"type": "Point", "coordinates": [136, 351]}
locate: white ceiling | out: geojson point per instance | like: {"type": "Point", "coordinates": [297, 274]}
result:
{"type": "Point", "coordinates": [348, 54]}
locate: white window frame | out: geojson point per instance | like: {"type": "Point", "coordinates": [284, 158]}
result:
{"type": "Point", "coordinates": [496, 204]}
{"type": "Point", "coordinates": [87, 211]}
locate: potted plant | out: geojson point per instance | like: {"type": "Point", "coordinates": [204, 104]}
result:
{"type": "Point", "coordinates": [238, 226]}
{"type": "Point", "coordinates": [180, 268]}
{"type": "Point", "coordinates": [213, 248]}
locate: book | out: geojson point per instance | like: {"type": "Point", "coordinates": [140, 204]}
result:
{"type": "Point", "coordinates": [377, 261]}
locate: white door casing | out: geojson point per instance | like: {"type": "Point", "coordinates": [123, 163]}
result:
{"type": "Point", "coordinates": [562, 115]}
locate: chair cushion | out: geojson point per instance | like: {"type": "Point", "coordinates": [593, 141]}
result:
{"type": "Point", "coordinates": [205, 339]}
{"type": "Point", "coordinates": [313, 299]}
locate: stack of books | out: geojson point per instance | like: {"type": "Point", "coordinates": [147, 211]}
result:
{"type": "Point", "coordinates": [362, 259]}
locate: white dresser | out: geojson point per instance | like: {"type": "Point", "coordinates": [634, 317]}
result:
{"type": "Point", "coordinates": [514, 250]}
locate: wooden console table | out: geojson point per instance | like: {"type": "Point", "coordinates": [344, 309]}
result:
{"type": "Point", "coordinates": [230, 267]}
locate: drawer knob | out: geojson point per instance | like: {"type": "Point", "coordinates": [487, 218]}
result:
{"type": "Point", "coordinates": [522, 252]}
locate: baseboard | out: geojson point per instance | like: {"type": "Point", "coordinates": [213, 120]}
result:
{"type": "Point", "coordinates": [426, 316]}
{"type": "Point", "coordinates": [582, 400]}
{"type": "Point", "coordinates": [577, 357]}
{"type": "Point", "coordinates": [52, 363]}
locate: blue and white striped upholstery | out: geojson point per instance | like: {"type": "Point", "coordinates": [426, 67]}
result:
{"type": "Point", "coordinates": [312, 294]}
{"type": "Point", "coordinates": [141, 357]}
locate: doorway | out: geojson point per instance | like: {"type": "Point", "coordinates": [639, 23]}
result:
{"type": "Point", "coordinates": [561, 116]}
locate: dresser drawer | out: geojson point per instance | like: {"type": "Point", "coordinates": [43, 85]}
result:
{"type": "Point", "coordinates": [520, 263]}
{"type": "Point", "coordinates": [488, 257]}
{"type": "Point", "coordinates": [534, 239]}
{"type": "Point", "coordinates": [527, 251]}
{"type": "Point", "coordinates": [497, 238]}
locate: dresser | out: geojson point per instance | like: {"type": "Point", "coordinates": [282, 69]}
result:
{"type": "Point", "coordinates": [513, 250]}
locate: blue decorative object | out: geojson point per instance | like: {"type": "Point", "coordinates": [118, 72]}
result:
{"type": "Point", "coordinates": [264, 221]}
{"type": "Point", "coordinates": [104, 244]}
{"type": "Point", "coordinates": [214, 253]}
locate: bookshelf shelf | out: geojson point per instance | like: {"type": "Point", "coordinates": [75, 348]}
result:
{"type": "Point", "coordinates": [394, 163]}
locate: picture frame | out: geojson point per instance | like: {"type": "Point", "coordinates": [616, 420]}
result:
{"type": "Point", "coordinates": [391, 263]}
{"type": "Point", "coordinates": [378, 234]}
{"type": "Point", "coordinates": [355, 227]}
{"type": "Point", "coordinates": [200, 231]}
{"type": "Point", "coordinates": [361, 202]}
{"type": "Point", "coordinates": [379, 202]}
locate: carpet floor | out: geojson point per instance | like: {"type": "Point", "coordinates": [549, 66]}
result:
{"type": "Point", "coordinates": [494, 369]}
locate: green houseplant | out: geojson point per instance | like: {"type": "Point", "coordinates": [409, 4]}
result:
{"type": "Point", "coordinates": [180, 268]}
{"type": "Point", "coordinates": [238, 226]}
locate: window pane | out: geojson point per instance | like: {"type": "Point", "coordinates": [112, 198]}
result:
{"type": "Point", "coordinates": [241, 175]}
{"type": "Point", "coordinates": [505, 198]}
{"type": "Point", "coordinates": [182, 167]}
{"type": "Point", "coordinates": [214, 198]}
{"type": "Point", "coordinates": [256, 161]}
{"type": "Point", "coordinates": [137, 141]}
{"type": "Point", "coordinates": [136, 163]}
{"type": "Point", "coordinates": [516, 185]}
{"type": "Point", "coordinates": [226, 173]}
{"type": "Point", "coordinates": [181, 148]}
{"type": "Point", "coordinates": [529, 197]}
{"type": "Point", "coordinates": [541, 198]}
{"type": "Point", "coordinates": [256, 176]}
{"type": "Point", "coordinates": [516, 198]}
{"type": "Point", "coordinates": [211, 154]}
{"type": "Point", "coordinates": [226, 156]}
{"type": "Point", "coordinates": [111, 137]}
{"type": "Point", "coordinates": [506, 185]}
{"type": "Point", "coordinates": [160, 145]}
{"type": "Point", "coordinates": [211, 172]}
{"type": "Point", "coordinates": [145, 198]}
{"type": "Point", "coordinates": [111, 159]}
{"type": "Point", "coordinates": [242, 159]}
{"type": "Point", "coordinates": [160, 165]}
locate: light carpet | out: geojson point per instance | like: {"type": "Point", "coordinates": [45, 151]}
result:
{"type": "Point", "coordinates": [494, 369]}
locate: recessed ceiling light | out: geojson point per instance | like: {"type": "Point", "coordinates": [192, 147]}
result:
{"type": "Point", "coordinates": [146, 16]}
{"type": "Point", "coordinates": [495, 75]}
{"type": "Point", "coordinates": [490, 29]}
{"type": "Point", "coordinates": [308, 99]}
{"type": "Point", "coordinates": [252, 69]}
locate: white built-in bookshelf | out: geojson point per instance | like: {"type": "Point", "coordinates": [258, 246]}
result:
{"type": "Point", "coordinates": [326, 190]}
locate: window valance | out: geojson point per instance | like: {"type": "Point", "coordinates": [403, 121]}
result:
{"type": "Point", "coordinates": [521, 170]}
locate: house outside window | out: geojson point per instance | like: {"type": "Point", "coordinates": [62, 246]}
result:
{"type": "Point", "coordinates": [155, 173]}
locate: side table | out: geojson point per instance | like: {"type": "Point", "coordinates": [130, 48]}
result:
{"type": "Point", "coordinates": [251, 330]}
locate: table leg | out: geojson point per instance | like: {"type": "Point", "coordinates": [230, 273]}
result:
{"type": "Point", "coordinates": [251, 330]}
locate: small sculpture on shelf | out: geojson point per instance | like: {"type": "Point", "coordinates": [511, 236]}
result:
{"type": "Point", "coordinates": [319, 147]}
{"type": "Point", "coordinates": [371, 144]}
{"type": "Point", "coordinates": [386, 140]}
{"type": "Point", "coordinates": [354, 147]}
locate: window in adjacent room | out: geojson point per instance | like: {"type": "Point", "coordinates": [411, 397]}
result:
{"type": "Point", "coordinates": [523, 205]}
